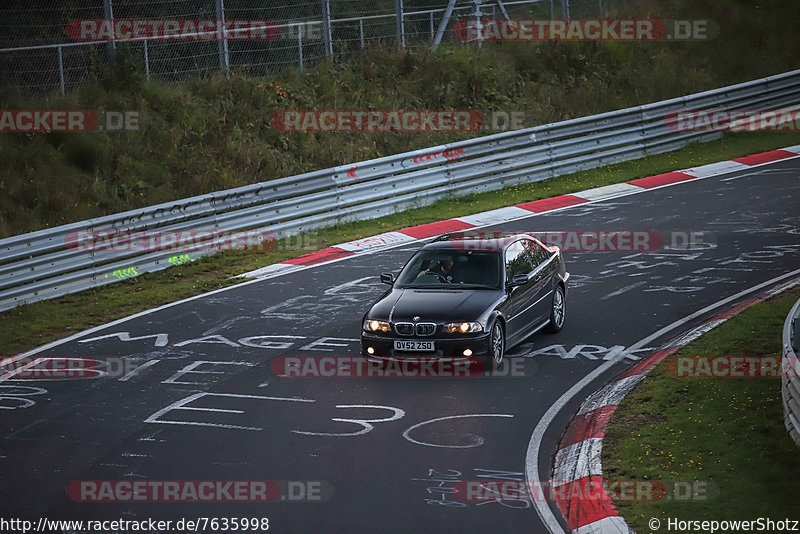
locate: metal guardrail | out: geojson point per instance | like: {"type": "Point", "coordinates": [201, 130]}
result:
{"type": "Point", "coordinates": [40, 265]}
{"type": "Point", "coordinates": [790, 377]}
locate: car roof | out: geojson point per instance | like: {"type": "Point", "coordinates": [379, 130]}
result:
{"type": "Point", "coordinates": [477, 240]}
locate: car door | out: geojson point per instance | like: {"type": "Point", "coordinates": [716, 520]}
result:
{"type": "Point", "coordinates": [542, 279]}
{"type": "Point", "coordinates": [520, 297]}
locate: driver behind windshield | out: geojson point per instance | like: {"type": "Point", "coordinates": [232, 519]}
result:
{"type": "Point", "coordinates": [441, 268]}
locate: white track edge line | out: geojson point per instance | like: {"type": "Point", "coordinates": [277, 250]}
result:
{"type": "Point", "coordinates": [676, 344]}
{"type": "Point", "coordinates": [389, 247]}
{"type": "Point", "coordinates": [532, 455]}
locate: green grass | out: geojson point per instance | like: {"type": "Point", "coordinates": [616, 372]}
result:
{"type": "Point", "coordinates": [32, 325]}
{"type": "Point", "coordinates": [209, 134]}
{"type": "Point", "coordinates": [205, 135]}
{"type": "Point", "coordinates": [726, 432]}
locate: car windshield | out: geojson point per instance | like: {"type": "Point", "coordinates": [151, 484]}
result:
{"type": "Point", "coordinates": [451, 269]}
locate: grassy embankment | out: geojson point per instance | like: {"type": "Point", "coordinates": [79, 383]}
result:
{"type": "Point", "coordinates": [725, 432]}
{"type": "Point", "coordinates": [207, 135]}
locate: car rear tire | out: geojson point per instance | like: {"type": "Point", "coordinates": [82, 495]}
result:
{"type": "Point", "coordinates": [558, 310]}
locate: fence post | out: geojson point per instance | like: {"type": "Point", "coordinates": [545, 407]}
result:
{"type": "Point", "coordinates": [552, 12]}
{"type": "Point", "coordinates": [502, 10]}
{"type": "Point", "coordinates": [361, 32]}
{"type": "Point", "coordinates": [108, 10]}
{"type": "Point", "coordinates": [443, 24]}
{"type": "Point", "coordinates": [300, 45]}
{"type": "Point", "coordinates": [430, 17]}
{"type": "Point", "coordinates": [477, 17]}
{"type": "Point", "coordinates": [146, 61]}
{"type": "Point", "coordinates": [399, 24]}
{"type": "Point", "coordinates": [600, 5]}
{"type": "Point", "coordinates": [326, 27]}
{"type": "Point", "coordinates": [61, 70]}
{"type": "Point", "coordinates": [564, 9]}
{"type": "Point", "coordinates": [222, 36]}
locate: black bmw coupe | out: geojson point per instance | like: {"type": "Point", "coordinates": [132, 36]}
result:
{"type": "Point", "coordinates": [467, 296]}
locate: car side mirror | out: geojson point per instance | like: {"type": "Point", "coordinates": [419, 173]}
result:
{"type": "Point", "coordinates": [518, 280]}
{"type": "Point", "coordinates": [387, 278]}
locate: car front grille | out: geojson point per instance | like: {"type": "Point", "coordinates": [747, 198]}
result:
{"type": "Point", "coordinates": [425, 329]}
{"type": "Point", "coordinates": [420, 329]}
{"type": "Point", "coordinates": [404, 329]}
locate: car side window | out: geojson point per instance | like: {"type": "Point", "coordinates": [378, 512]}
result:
{"type": "Point", "coordinates": [535, 252]}
{"type": "Point", "coordinates": [517, 260]}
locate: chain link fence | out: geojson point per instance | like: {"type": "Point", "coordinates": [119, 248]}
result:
{"type": "Point", "coordinates": [40, 54]}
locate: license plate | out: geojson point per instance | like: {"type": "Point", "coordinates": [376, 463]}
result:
{"type": "Point", "coordinates": [416, 346]}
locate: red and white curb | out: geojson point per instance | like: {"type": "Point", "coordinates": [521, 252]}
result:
{"type": "Point", "coordinates": [510, 213]}
{"type": "Point", "coordinates": [578, 460]}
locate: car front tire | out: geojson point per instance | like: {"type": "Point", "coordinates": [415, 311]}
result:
{"type": "Point", "coordinates": [497, 345]}
{"type": "Point", "coordinates": [558, 310]}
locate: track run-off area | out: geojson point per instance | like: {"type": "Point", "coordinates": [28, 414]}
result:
{"type": "Point", "coordinates": [188, 391]}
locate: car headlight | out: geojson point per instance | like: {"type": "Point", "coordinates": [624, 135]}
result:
{"type": "Point", "coordinates": [371, 325]}
{"type": "Point", "coordinates": [462, 328]}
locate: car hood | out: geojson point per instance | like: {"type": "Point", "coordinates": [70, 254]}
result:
{"type": "Point", "coordinates": [432, 305]}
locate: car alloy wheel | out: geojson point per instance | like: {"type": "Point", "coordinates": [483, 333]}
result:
{"type": "Point", "coordinates": [498, 343]}
{"type": "Point", "coordinates": [558, 311]}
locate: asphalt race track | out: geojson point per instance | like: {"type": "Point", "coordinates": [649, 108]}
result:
{"type": "Point", "coordinates": [394, 475]}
